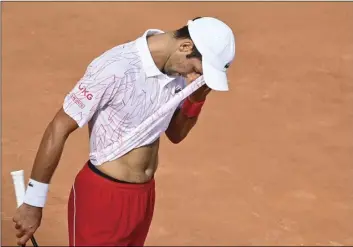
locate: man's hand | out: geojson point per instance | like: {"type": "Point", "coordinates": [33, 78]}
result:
{"type": "Point", "coordinates": [200, 94]}
{"type": "Point", "coordinates": [27, 220]}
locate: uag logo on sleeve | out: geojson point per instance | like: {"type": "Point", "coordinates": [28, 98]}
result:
{"type": "Point", "coordinates": [85, 92]}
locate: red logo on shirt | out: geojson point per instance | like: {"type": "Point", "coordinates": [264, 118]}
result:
{"type": "Point", "coordinates": [86, 93]}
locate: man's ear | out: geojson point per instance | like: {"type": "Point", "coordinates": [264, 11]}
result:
{"type": "Point", "coordinates": [186, 46]}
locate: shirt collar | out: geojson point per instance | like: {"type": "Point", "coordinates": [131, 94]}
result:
{"type": "Point", "coordinates": [147, 61]}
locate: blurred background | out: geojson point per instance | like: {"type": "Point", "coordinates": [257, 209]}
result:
{"type": "Point", "coordinates": [269, 163]}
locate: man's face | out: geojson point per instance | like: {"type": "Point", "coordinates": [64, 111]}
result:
{"type": "Point", "coordinates": [179, 65]}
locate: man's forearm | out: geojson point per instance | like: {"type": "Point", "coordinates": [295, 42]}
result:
{"type": "Point", "coordinates": [48, 155]}
{"type": "Point", "coordinates": [180, 127]}
{"type": "Point", "coordinates": [186, 117]}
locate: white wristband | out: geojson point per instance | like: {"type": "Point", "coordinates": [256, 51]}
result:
{"type": "Point", "coordinates": [36, 193]}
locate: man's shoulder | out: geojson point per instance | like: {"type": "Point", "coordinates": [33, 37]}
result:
{"type": "Point", "coordinates": [118, 59]}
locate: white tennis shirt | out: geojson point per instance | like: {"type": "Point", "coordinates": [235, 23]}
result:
{"type": "Point", "coordinates": [119, 90]}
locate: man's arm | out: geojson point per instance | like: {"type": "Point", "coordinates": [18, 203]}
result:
{"type": "Point", "coordinates": [51, 146]}
{"type": "Point", "coordinates": [179, 127]}
{"type": "Point", "coordinates": [92, 92]}
{"type": "Point", "coordinates": [28, 218]}
{"type": "Point", "coordinates": [181, 123]}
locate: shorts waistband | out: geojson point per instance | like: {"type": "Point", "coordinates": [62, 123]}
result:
{"type": "Point", "coordinates": [98, 172]}
{"type": "Point", "coordinates": [98, 176]}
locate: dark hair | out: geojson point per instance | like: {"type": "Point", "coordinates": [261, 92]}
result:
{"type": "Point", "coordinates": [183, 33]}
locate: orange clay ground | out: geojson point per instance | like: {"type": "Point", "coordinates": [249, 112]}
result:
{"type": "Point", "coordinates": [269, 163]}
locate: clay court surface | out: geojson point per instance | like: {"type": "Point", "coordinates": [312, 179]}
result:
{"type": "Point", "coordinates": [270, 162]}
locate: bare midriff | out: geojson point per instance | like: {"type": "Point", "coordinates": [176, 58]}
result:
{"type": "Point", "coordinates": [137, 166]}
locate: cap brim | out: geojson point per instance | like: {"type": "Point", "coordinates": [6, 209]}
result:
{"type": "Point", "coordinates": [214, 78]}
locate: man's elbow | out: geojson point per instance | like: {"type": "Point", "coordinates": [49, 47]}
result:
{"type": "Point", "coordinates": [175, 138]}
{"type": "Point", "coordinates": [62, 125]}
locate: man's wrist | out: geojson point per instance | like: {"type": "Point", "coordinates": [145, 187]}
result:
{"type": "Point", "coordinates": [36, 193]}
{"type": "Point", "coordinates": [191, 109]}
{"type": "Point", "coordinates": [32, 207]}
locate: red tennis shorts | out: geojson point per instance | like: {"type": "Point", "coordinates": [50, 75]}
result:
{"type": "Point", "coordinates": [103, 211]}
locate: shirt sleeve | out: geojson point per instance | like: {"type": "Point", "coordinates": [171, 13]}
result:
{"type": "Point", "coordinates": [91, 93]}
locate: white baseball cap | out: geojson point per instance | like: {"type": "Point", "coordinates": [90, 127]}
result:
{"type": "Point", "coordinates": [216, 43]}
